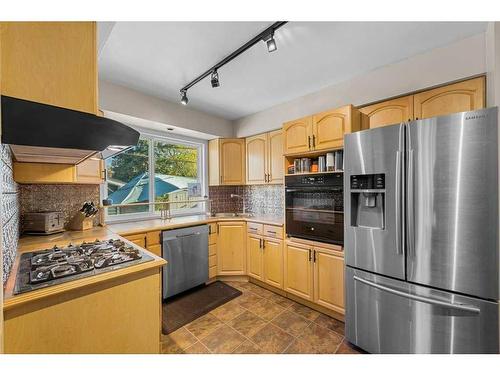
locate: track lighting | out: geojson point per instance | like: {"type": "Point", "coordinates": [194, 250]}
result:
{"type": "Point", "coordinates": [184, 98]}
{"type": "Point", "coordinates": [266, 35]}
{"type": "Point", "coordinates": [215, 79]}
{"type": "Point", "coordinates": [271, 43]}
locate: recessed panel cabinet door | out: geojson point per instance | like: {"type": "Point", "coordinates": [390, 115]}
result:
{"type": "Point", "coordinates": [273, 263]}
{"type": "Point", "coordinates": [231, 248]}
{"type": "Point", "coordinates": [254, 250]}
{"type": "Point", "coordinates": [329, 127]}
{"type": "Point", "coordinates": [390, 112]}
{"type": "Point", "coordinates": [298, 135]}
{"type": "Point", "coordinates": [329, 280]}
{"type": "Point", "coordinates": [256, 159]}
{"type": "Point", "coordinates": [459, 97]}
{"type": "Point", "coordinates": [232, 161]}
{"type": "Point", "coordinates": [298, 270]}
{"type": "Point", "coordinates": [275, 159]}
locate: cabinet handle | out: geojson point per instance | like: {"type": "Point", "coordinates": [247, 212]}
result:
{"type": "Point", "coordinates": [309, 141]}
{"type": "Point", "coordinates": [269, 177]}
{"type": "Point", "coordinates": [314, 141]}
{"type": "Point", "coordinates": [314, 256]}
{"type": "Point", "coordinates": [310, 255]}
{"type": "Point", "coordinates": [263, 244]}
{"type": "Point", "coordinates": [260, 243]}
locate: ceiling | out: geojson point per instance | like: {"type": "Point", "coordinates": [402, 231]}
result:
{"type": "Point", "coordinates": [158, 58]}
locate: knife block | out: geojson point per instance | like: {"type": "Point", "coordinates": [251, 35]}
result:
{"type": "Point", "coordinates": [80, 222]}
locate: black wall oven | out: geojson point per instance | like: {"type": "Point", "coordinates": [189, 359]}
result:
{"type": "Point", "coordinates": [314, 207]}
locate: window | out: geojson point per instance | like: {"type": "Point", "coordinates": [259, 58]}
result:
{"type": "Point", "coordinates": [167, 169]}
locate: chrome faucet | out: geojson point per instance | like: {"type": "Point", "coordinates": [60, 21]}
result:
{"type": "Point", "coordinates": [242, 200]}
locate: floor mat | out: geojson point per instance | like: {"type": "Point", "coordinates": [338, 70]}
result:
{"type": "Point", "coordinates": [190, 305]}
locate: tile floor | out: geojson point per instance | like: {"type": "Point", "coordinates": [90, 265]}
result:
{"type": "Point", "coordinates": [260, 322]}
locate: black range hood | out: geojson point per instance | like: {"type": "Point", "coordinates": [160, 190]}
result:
{"type": "Point", "coordinates": [34, 129]}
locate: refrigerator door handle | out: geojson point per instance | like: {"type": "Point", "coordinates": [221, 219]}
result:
{"type": "Point", "coordinates": [398, 203]}
{"type": "Point", "coordinates": [430, 301]}
{"type": "Point", "coordinates": [410, 220]}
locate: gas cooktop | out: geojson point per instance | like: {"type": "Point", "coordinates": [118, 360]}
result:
{"type": "Point", "coordinates": [48, 267]}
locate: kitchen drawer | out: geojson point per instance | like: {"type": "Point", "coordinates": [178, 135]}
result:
{"type": "Point", "coordinates": [155, 249]}
{"type": "Point", "coordinates": [212, 249]}
{"type": "Point", "coordinates": [273, 231]}
{"type": "Point", "coordinates": [255, 228]}
{"type": "Point", "coordinates": [212, 272]}
{"type": "Point", "coordinates": [153, 238]}
{"type": "Point", "coordinates": [212, 261]}
{"type": "Point", "coordinates": [138, 239]}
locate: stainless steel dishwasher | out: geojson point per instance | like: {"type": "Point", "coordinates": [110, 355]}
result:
{"type": "Point", "coordinates": [186, 251]}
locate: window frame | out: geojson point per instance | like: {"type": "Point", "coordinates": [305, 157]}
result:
{"type": "Point", "coordinates": [202, 147]}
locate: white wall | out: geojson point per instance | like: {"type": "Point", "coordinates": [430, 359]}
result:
{"type": "Point", "coordinates": [129, 102]}
{"type": "Point", "coordinates": [461, 59]}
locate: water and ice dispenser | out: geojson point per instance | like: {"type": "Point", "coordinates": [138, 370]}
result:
{"type": "Point", "coordinates": [368, 200]}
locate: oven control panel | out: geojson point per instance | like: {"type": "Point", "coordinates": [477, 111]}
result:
{"type": "Point", "coordinates": [368, 181]}
{"type": "Point", "coordinates": [318, 180]}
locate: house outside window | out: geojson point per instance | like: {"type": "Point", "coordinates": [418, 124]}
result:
{"type": "Point", "coordinates": [168, 169]}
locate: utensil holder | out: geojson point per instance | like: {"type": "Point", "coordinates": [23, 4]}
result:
{"type": "Point", "coordinates": [81, 222]}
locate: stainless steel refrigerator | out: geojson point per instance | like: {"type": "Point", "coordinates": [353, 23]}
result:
{"type": "Point", "coordinates": [421, 236]}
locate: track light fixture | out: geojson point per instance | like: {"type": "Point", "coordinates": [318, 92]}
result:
{"type": "Point", "coordinates": [184, 98]}
{"type": "Point", "coordinates": [215, 79]}
{"type": "Point", "coordinates": [267, 36]}
{"type": "Point", "coordinates": [271, 43]}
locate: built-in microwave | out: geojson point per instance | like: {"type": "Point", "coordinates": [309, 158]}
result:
{"type": "Point", "coordinates": [314, 207]}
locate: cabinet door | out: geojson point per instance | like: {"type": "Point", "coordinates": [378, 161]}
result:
{"type": "Point", "coordinates": [214, 175]}
{"type": "Point", "coordinates": [255, 261]}
{"type": "Point", "coordinates": [390, 112]}
{"type": "Point", "coordinates": [329, 279]}
{"type": "Point", "coordinates": [273, 262]}
{"type": "Point", "coordinates": [51, 62]}
{"type": "Point", "coordinates": [232, 154]}
{"type": "Point", "coordinates": [297, 135]}
{"type": "Point", "coordinates": [231, 248]}
{"type": "Point", "coordinates": [329, 127]}
{"type": "Point", "coordinates": [90, 171]}
{"type": "Point", "coordinates": [298, 270]}
{"type": "Point", "coordinates": [459, 97]}
{"type": "Point", "coordinates": [275, 157]}
{"type": "Point", "coordinates": [256, 159]}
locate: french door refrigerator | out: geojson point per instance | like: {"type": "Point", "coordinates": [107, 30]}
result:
{"type": "Point", "coordinates": [421, 236]}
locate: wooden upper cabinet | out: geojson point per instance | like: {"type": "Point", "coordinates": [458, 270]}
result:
{"type": "Point", "coordinates": [51, 62]}
{"type": "Point", "coordinates": [390, 112]}
{"type": "Point", "coordinates": [226, 162]}
{"type": "Point", "coordinates": [264, 158]}
{"type": "Point", "coordinates": [297, 135]}
{"type": "Point", "coordinates": [329, 279]}
{"type": "Point", "coordinates": [256, 149]}
{"type": "Point", "coordinates": [458, 97]}
{"type": "Point", "coordinates": [90, 171]}
{"type": "Point", "coordinates": [329, 127]}
{"type": "Point", "coordinates": [275, 157]}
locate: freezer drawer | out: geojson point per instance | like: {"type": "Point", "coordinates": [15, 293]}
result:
{"type": "Point", "coordinates": [186, 251]}
{"type": "Point", "coordinates": [384, 315]}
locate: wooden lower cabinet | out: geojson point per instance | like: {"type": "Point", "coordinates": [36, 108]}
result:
{"type": "Point", "coordinates": [255, 264]}
{"type": "Point", "coordinates": [298, 270]}
{"type": "Point", "coordinates": [315, 274]}
{"type": "Point", "coordinates": [328, 279]}
{"type": "Point", "coordinates": [138, 239]}
{"type": "Point", "coordinates": [231, 248]}
{"type": "Point", "coordinates": [273, 262]}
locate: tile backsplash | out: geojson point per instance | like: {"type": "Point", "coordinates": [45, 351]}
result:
{"type": "Point", "coordinates": [9, 216]}
{"type": "Point", "coordinates": [65, 198]}
{"type": "Point", "coordinates": [265, 200]}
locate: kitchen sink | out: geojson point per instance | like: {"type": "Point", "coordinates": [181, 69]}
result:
{"type": "Point", "coordinates": [233, 214]}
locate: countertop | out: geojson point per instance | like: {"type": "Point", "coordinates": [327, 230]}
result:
{"type": "Point", "coordinates": [32, 243]}
{"type": "Point", "coordinates": [142, 226]}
